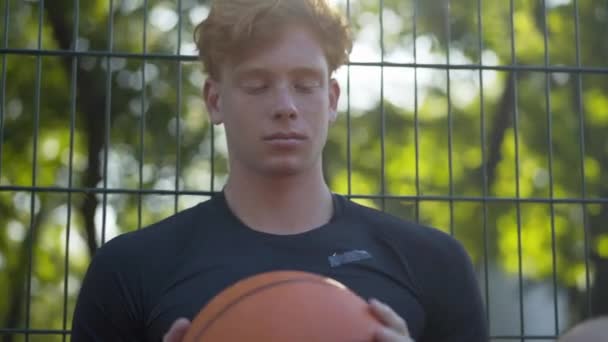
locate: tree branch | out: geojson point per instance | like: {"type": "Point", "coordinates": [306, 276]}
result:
{"type": "Point", "coordinates": [92, 104]}
{"type": "Point", "coordinates": [502, 121]}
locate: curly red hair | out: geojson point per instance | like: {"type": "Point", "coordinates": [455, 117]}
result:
{"type": "Point", "coordinates": [235, 27]}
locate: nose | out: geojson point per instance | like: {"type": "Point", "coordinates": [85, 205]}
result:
{"type": "Point", "coordinates": [285, 106]}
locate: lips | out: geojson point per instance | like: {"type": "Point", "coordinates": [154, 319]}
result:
{"type": "Point", "coordinates": [285, 136]}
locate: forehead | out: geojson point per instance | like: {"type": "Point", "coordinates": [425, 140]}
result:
{"type": "Point", "coordinates": [294, 49]}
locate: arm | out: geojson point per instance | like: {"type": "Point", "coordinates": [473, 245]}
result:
{"type": "Point", "coordinates": [458, 312]}
{"type": "Point", "coordinates": [107, 308]}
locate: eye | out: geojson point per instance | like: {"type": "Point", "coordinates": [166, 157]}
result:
{"type": "Point", "coordinates": [254, 87]}
{"type": "Point", "coordinates": [307, 86]}
{"type": "Point", "coordinates": [303, 88]}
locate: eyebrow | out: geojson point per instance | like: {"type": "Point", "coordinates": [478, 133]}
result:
{"type": "Point", "coordinates": [251, 73]}
{"type": "Point", "coordinates": [306, 72]}
{"type": "Point", "coordinates": [265, 73]}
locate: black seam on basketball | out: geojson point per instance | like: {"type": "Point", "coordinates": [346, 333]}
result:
{"type": "Point", "coordinates": [252, 292]}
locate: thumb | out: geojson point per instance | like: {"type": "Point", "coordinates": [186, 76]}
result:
{"type": "Point", "coordinates": [177, 331]}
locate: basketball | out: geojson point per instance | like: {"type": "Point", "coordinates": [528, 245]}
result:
{"type": "Point", "coordinates": [284, 306]}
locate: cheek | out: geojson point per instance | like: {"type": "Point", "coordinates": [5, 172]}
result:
{"type": "Point", "coordinates": [237, 111]}
{"type": "Point", "coordinates": [247, 108]}
{"type": "Point", "coordinates": [315, 106]}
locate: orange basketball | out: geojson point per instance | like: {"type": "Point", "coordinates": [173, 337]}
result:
{"type": "Point", "coordinates": [284, 306]}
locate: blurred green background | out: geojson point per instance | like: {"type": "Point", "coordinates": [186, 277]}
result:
{"type": "Point", "coordinates": [498, 136]}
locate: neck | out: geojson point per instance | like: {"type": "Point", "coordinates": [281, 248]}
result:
{"type": "Point", "coordinates": [280, 205]}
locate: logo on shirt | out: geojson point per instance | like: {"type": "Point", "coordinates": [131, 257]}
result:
{"type": "Point", "coordinates": [338, 259]}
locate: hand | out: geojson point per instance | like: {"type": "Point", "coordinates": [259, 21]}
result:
{"type": "Point", "coordinates": [177, 331]}
{"type": "Point", "coordinates": [394, 329]}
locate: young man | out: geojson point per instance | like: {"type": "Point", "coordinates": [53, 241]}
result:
{"type": "Point", "coordinates": [270, 64]}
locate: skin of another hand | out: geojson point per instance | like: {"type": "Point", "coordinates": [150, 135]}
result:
{"type": "Point", "coordinates": [177, 331]}
{"type": "Point", "coordinates": [394, 328]}
{"type": "Point", "coordinates": [592, 330]}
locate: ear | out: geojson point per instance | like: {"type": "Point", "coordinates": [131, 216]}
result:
{"type": "Point", "coordinates": [211, 96]}
{"type": "Point", "coordinates": [334, 96]}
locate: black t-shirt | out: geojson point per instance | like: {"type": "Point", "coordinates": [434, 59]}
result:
{"type": "Point", "coordinates": [139, 283]}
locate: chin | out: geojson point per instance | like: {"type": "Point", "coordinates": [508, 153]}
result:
{"type": "Point", "coordinates": [283, 171]}
{"type": "Point", "coordinates": [284, 168]}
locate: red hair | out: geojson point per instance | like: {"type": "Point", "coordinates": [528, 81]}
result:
{"type": "Point", "coordinates": [235, 27]}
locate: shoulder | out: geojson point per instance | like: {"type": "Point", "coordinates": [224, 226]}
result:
{"type": "Point", "coordinates": [166, 236]}
{"type": "Point", "coordinates": [120, 267]}
{"type": "Point", "coordinates": [440, 267]}
{"type": "Point", "coordinates": [411, 235]}
{"type": "Point", "coordinates": [112, 304]}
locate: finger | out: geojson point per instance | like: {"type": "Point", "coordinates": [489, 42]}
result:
{"type": "Point", "coordinates": [177, 331]}
{"type": "Point", "coordinates": [385, 334]}
{"type": "Point", "coordinates": [389, 317]}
